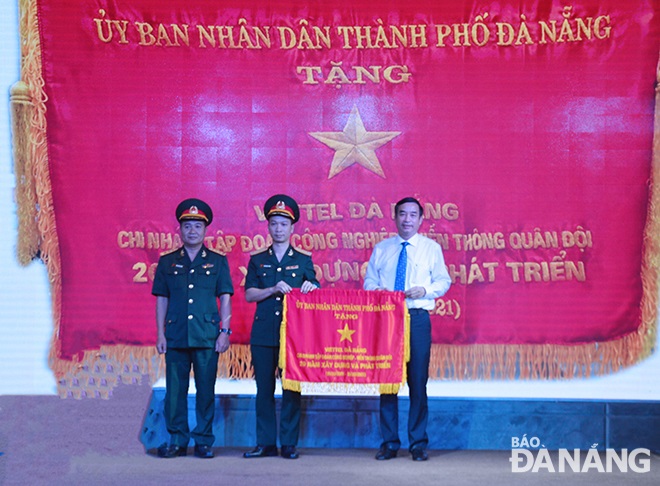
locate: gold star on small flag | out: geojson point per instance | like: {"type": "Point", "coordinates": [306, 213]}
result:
{"type": "Point", "coordinates": [354, 145]}
{"type": "Point", "coordinates": [346, 334]}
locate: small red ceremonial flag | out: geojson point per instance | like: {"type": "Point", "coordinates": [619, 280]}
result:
{"type": "Point", "coordinates": [344, 336]}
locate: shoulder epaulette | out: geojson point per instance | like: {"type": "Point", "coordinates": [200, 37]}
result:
{"type": "Point", "coordinates": [257, 252]}
{"type": "Point", "coordinates": [168, 252]}
{"type": "Point", "coordinates": [217, 252]}
{"type": "Point", "coordinates": [304, 252]}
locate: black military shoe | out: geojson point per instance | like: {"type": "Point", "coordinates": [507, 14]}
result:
{"type": "Point", "coordinates": [204, 451]}
{"type": "Point", "coordinates": [385, 453]}
{"type": "Point", "coordinates": [261, 451]}
{"type": "Point", "coordinates": [419, 455]}
{"type": "Point", "coordinates": [169, 451]}
{"type": "Point", "coordinates": [290, 452]}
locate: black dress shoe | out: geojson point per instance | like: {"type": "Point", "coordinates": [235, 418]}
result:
{"type": "Point", "coordinates": [290, 452]}
{"type": "Point", "coordinates": [419, 455]}
{"type": "Point", "coordinates": [261, 451]}
{"type": "Point", "coordinates": [169, 451]}
{"type": "Point", "coordinates": [204, 451]}
{"type": "Point", "coordinates": [385, 453]}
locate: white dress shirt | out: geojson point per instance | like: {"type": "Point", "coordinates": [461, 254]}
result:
{"type": "Point", "coordinates": [425, 268]}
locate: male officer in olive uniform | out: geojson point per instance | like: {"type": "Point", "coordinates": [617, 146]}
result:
{"type": "Point", "coordinates": [191, 329]}
{"type": "Point", "coordinates": [271, 274]}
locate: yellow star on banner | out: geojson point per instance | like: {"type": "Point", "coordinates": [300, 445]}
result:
{"type": "Point", "coordinates": [355, 145]}
{"type": "Point", "coordinates": [346, 334]}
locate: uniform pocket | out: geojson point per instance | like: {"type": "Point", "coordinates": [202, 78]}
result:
{"type": "Point", "coordinates": [207, 277]}
{"type": "Point", "coordinates": [212, 325]}
{"type": "Point", "coordinates": [176, 277]}
{"type": "Point", "coordinates": [170, 327]}
{"type": "Point", "coordinates": [266, 277]}
{"type": "Point", "coordinates": [293, 277]}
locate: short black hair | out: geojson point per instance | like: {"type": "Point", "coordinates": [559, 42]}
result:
{"type": "Point", "coordinates": [409, 200]}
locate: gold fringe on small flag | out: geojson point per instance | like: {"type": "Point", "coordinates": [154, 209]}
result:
{"type": "Point", "coordinates": [393, 388]}
{"type": "Point", "coordinates": [287, 384]}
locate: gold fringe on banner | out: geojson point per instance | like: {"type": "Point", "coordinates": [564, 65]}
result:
{"type": "Point", "coordinates": [99, 371]}
{"type": "Point", "coordinates": [22, 111]}
{"type": "Point", "coordinates": [96, 372]}
{"type": "Point", "coordinates": [651, 256]}
{"type": "Point", "coordinates": [551, 361]}
{"type": "Point", "coordinates": [35, 170]}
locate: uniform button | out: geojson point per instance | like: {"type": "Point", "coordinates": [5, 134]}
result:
{"type": "Point", "coordinates": [277, 313]}
{"type": "Point", "coordinates": [279, 269]}
{"type": "Point", "coordinates": [208, 272]}
{"type": "Point", "coordinates": [278, 298]}
{"type": "Point", "coordinates": [190, 317]}
{"type": "Point", "coordinates": [190, 286]}
{"type": "Point", "coordinates": [192, 270]}
{"type": "Point", "coordinates": [293, 274]}
{"type": "Point", "coordinates": [190, 301]}
{"type": "Point", "coordinates": [176, 272]}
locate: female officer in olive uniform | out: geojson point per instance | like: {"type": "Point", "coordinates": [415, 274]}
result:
{"type": "Point", "coordinates": [191, 329]}
{"type": "Point", "coordinates": [271, 274]}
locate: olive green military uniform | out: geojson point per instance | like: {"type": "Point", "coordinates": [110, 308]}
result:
{"type": "Point", "coordinates": [264, 271]}
{"type": "Point", "coordinates": [192, 326]}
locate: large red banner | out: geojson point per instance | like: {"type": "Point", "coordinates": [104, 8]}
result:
{"type": "Point", "coordinates": [525, 128]}
{"type": "Point", "coordinates": [344, 336]}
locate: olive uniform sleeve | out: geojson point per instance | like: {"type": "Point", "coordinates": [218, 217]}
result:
{"type": "Point", "coordinates": [160, 287]}
{"type": "Point", "coordinates": [252, 279]}
{"type": "Point", "coordinates": [310, 273]}
{"type": "Point", "coordinates": [224, 284]}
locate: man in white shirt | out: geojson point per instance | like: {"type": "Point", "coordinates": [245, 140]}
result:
{"type": "Point", "coordinates": [414, 264]}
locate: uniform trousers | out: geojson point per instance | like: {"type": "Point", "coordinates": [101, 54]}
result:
{"type": "Point", "coordinates": [418, 375]}
{"type": "Point", "coordinates": [265, 361]}
{"type": "Point", "coordinates": [204, 362]}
